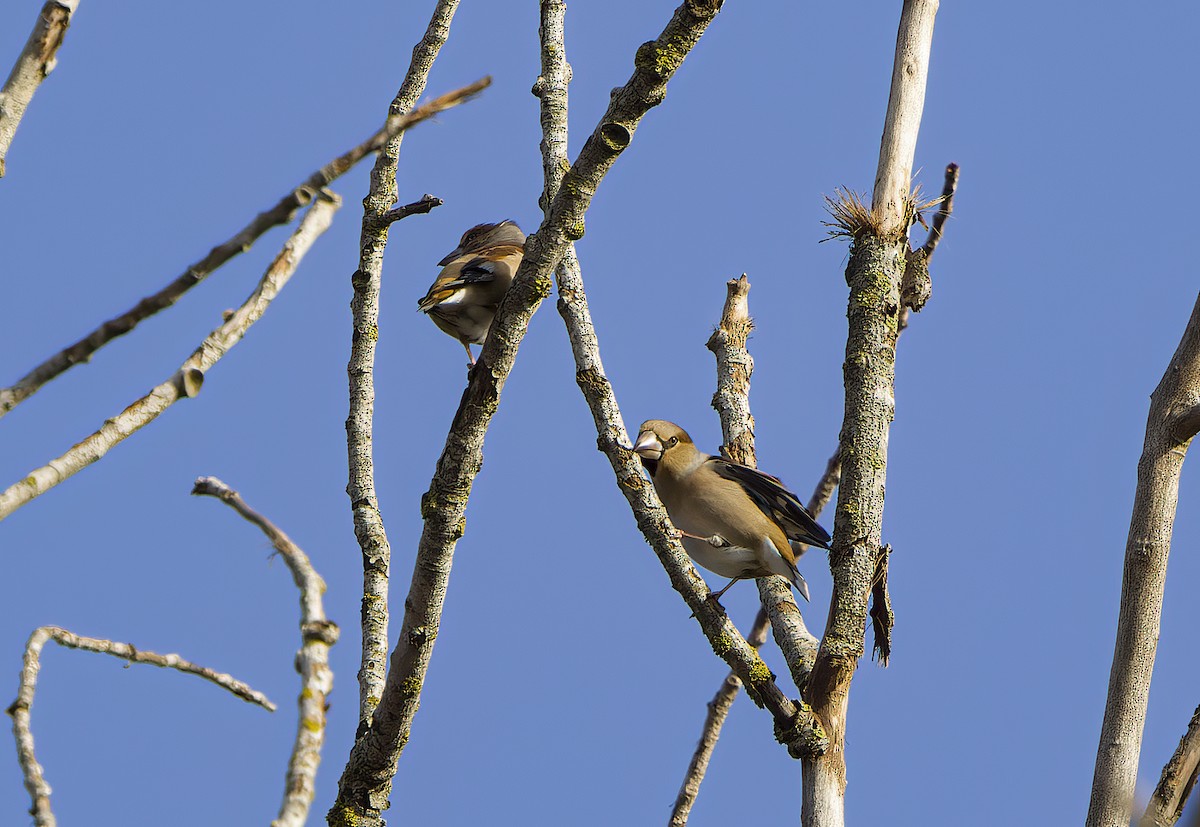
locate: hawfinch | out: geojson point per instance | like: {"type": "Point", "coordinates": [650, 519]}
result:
{"type": "Point", "coordinates": [735, 521]}
{"type": "Point", "coordinates": [475, 274]}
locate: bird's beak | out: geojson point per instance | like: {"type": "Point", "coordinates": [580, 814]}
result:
{"type": "Point", "coordinates": [648, 446]}
{"type": "Point", "coordinates": [453, 254]}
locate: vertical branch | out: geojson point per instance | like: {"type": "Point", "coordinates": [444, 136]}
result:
{"type": "Point", "coordinates": [732, 402]}
{"type": "Point", "coordinates": [906, 102]}
{"type": "Point", "coordinates": [36, 61]}
{"type": "Point", "coordinates": [317, 634]}
{"type": "Point", "coordinates": [1173, 421]}
{"type": "Point", "coordinates": [734, 369]}
{"type": "Point", "coordinates": [876, 267]}
{"type": "Point", "coordinates": [368, 522]}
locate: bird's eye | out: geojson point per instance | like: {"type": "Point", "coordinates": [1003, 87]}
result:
{"type": "Point", "coordinates": [673, 441]}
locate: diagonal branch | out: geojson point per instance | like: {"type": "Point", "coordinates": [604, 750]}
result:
{"type": "Point", "coordinates": [792, 721]}
{"type": "Point", "coordinates": [718, 710]}
{"type": "Point", "coordinates": [35, 780]}
{"type": "Point", "coordinates": [186, 382]}
{"type": "Point", "coordinates": [36, 61]}
{"type": "Point", "coordinates": [366, 781]}
{"type": "Point", "coordinates": [317, 634]}
{"type": "Point", "coordinates": [368, 522]}
{"type": "Point", "coordinates": [1178, 779]}
{"type": "Point", "coordinates": [281, 213]}
{"type": "Point", "coordinates": [1170, 427]}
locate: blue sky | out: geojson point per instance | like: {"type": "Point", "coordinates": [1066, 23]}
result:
{"type": "Point", "coordinates": [568, 685]}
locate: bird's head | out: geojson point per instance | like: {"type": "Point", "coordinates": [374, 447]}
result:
{"type": "Point", "coordinates": [656, 439]}
{"type": "Point", "coordinates": [484, 236]}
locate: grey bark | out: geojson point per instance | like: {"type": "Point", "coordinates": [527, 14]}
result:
{"type": "Point", "coordinates": [187, 381]}
{"type": "Point", "coordinates": [874, 274]}
{"type": "Point", "coordinates": [281, 213]}
{"type": "Point", "coordinates": [317, 634]}
{"type": "Point", "coordinates": [366, 781]}
{"type": "Point", "coordinates": [367, 281]}
{"type": "Point", "coordinates": [1173, 421]}
{"type": "Point", "coordinates": [36, 61]}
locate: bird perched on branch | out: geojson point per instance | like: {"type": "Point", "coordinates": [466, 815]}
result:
{"type": "Point", "coordinates": [462, 301]}
{"type": "Point", "coordinates": [735, 521]}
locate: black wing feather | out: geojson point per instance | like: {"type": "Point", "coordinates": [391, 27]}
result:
{"type": "Point", "coordinates": [775, 501]}
{"type": "Point", "coordinates": [475, 271]}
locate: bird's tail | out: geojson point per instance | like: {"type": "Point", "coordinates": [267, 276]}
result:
{"type": "Point", "coordinates": [798, 583]}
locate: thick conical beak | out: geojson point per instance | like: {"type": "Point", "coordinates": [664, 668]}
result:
{"type": "Point", "coordinates": [453, 254]}
{"type": "Point", "coordinates": [648, 445]}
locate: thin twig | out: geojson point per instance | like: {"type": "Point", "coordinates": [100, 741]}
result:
{"type": "Point", "coordinates": [36, 61]}
{"type": "Point", "coordinates": [368, 522]}
{"type": "Point", "coordinates": [35, 780]}
{"type": "Point", "coordinates": [317, 634]}
{"type": "Point", "coordinates": [718, 710]}
{"type": "Point", "coordinates": [281, 213]}
{"type": "Point", "coordinates": [944, 210]}
{"type": "Point", "coordinates": [426, 203]}
{"type": "Point", "coordinates": [1170, 426]}
{"type": "Point", "coordinates": [186, 382]}
{"type": "Point", "coordinates": [363, 789]}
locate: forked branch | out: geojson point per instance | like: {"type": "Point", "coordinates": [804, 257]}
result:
{"type": "Point", "coordinates": [366, 781]}
{"type": "Point", "coordinates": [367, 282]}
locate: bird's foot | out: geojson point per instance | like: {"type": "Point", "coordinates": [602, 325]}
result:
{"type": "Point", "coordinates": [716, 540]}
{"type": "Point", "coordinates": [715, 599]}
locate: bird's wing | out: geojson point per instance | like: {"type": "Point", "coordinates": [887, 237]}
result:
{"type": "Point", "coordinates": [774, 500]}
{"type": "Point", "coordinates": [478, 270]}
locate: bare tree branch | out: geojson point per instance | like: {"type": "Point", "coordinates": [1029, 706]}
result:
{"type": "Point", "coordinates": [876, 267]}
{"type": "Point", "coordinates": [317, 634]}
{"type": "Point", "coordinates": [734, 368]}
{"type": "Point", "coordinates": [365, 783]}
{"type": "Point", "coordinates": [785, 619]}
{"type": "Point", "coordinates": [890, 202]}
{"type": "Point", "coordinates": [36, 61]}
{"type": "Point", "coordinates": [368, 522]}
{"type": "Point", "coordinates": [281, 213]}
{"type": "Point", "coordinates": [944, 210]}
{"type": "Point", "coordinates": [1170, 427]}
{"type": "Point", "coordinates": [422, 206]}
{"type": "Point", "coordinates": [718, 710]}
{"type": "Point", "coordinates": [186, 382]}
{"type": "Point", "coordinates": [732, 402]}
{"type": "Point", "coordinates": [1178, 778]}
{"type": "Point", "coordinates": [793, 723]}
{"type": "Point", "coordinates": [35, 780]}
